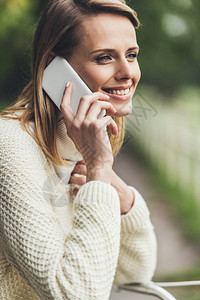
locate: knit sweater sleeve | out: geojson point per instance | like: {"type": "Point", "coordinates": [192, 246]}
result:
{"type": "Point", "coordinates": [138, 249]}
{"type": "Point", "coordinates": [79, 266]}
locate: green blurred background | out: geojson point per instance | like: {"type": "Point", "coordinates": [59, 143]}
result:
{"type": "Point", "coordinates": [166, 136]}
{"type": "Point", "coordinates": [169, 40]}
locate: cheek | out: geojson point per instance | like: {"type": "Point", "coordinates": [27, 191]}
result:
{"type": "Point", "coordinates": [89, 75]}
{"type": "Point", "coordinates": [96, 78]}
{"type": "Point", "coordinates": [138, 72]}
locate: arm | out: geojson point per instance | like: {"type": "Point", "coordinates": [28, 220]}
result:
{"type": "Point", "coordinates": [54, 266]}
{"type": "Point", "coordinates": [138, 247]}
{"type": "Point", "coordinates": [137, 256]}
{"type": "Point", "coordinates": [138, 250]}
{"type": "Point", "coordinates": [137, 238]}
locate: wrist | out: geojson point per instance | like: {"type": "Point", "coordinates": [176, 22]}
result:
{"type": "Point", "coordinates": [100, 174]}
{"type": "Point", "coordinates": [126, 206]}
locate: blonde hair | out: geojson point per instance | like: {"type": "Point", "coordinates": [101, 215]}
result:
{"type": "Point", "coordinates": [58, 31]}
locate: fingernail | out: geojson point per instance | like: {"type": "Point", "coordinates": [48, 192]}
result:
{"type": "Point", "coordinates": [68, 83]}
{"type": "Point", "coordinates": [116, 132]}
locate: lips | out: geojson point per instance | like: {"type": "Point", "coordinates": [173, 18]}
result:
{"type": "Point", "coordinates": [119, 93]}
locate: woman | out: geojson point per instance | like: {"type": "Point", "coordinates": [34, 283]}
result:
{"type": "Point", "coordinates": [62, 205]}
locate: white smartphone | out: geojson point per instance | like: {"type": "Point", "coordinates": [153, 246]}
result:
{"type": "Point", "coordinates": [55, 77]}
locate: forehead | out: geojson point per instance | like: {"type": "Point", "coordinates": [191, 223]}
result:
{"type": "Point", "coordinates": [108, 30]}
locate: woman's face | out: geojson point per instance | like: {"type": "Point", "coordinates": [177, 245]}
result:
{"type": "Point", "coordinates": [106, 59]}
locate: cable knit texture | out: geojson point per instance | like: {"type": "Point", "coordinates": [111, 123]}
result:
{"type": "Point", "coordinates": [55, 246]}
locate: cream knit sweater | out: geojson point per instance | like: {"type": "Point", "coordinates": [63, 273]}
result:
{"type": "Point", "coordinates": [54, 246]}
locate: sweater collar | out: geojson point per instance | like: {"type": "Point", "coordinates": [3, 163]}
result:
{"type": "Point", "coordinates": [66, 148]}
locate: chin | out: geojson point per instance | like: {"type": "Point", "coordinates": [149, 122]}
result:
{"type": "Point", "coordinates": [120, 114]}
{"type": "Point", "coordinates": [123, 111]}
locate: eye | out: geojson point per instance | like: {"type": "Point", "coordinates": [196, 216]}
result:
{"type": "Point", "coordinates": [132, 56]}
{"type": "Point", "coordinates": [103, 58]}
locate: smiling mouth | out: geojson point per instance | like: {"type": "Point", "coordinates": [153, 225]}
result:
{"type": "Point", "coordinates": [117, 92]}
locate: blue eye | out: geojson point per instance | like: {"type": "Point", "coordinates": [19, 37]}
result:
{"type": "Point", "coordinates": [132, 56]}
{"type": "Point", "coordinates": [103, 58]}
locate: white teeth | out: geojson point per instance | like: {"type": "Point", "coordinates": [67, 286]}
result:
{"type": "Point", "coordinates": [119, 92]}
{"type": "Point", "coordinates": [126, 91]}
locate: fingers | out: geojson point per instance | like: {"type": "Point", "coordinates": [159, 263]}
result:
{"type": "Point", "coordinates": [79, 180]}
{"type": "Point", "coordinates": [93, 104]}
{"type": "Point", "coordinates": [86, 102]}
{"type": "Point", "coordinates": [80, 168]}
{"type": "Point", "coordinates": [108, 121]}
{"type": "Point", "coordinates": [97, 107]}
{"type": "Point", "coordinates": [78, 175]}
{"type": "Point", "coordinates": [80, 162]}
{"type": "Point", "coordinates": [65, 106]}
{"type": "Point", "coordinates": [86, 130]}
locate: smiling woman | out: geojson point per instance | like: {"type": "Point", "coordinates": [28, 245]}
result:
{"type": "Point", "coordinates": [108, 61]}
{"type": "Point", "coordinates": [69, 226]}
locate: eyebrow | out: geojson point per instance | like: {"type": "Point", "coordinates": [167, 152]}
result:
{"type": "Point", "coordinates": [112, 50]}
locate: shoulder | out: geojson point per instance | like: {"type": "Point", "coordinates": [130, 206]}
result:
{"type": "Point", "coordinates": [17, 146]}
{"type": "Point", "coordinates": [12, 131]}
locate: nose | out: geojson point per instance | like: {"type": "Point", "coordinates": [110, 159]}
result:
{"type": "Point", "coordinates": [125, 70]}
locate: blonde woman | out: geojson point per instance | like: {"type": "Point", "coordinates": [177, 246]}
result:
{"type": "Point", "coordinates": [69, 226]}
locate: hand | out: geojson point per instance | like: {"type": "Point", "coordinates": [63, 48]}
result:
{"type": "Point", "coordinates": [126, 195]}
{"type": "Point", "coordinates": [78, 176]}
{"type": "Point", "coordinates": [89, 133]}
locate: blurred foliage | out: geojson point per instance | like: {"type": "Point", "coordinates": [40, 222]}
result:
{"type": "Point", "coordinates": [184, 201]}
{"type": "Point", "coordinates": [169, 40]}
{"type": "Point", "coordinates": [187, 212]}
{"type": "Point", "coordinates": [17, 22]}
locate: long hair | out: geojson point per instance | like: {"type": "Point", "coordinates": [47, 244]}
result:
{"type": "Point", "coordinates": [58, 31]}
